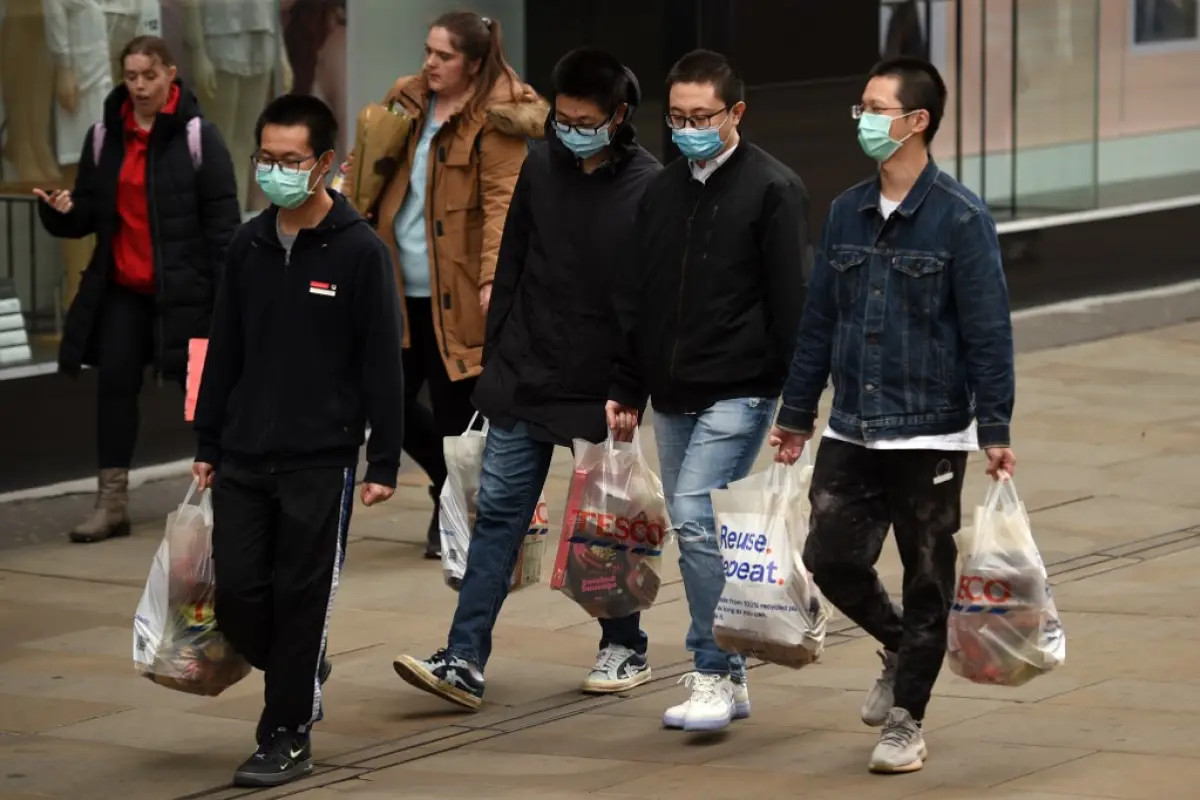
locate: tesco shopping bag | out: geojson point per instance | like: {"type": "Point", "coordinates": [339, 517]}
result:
{"type": "Point", "coordinates": [770, 608]}
{"type": "Point", "coordinates": [175, 638]}
{"type": "Point", "coordinates": [1004, 627]}
{"type": "Point", "coordinates": [613, 532]}
{"type": "Point", "coordinates": [456, 517]}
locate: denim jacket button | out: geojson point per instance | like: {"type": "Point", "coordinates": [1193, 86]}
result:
{"type": "Point", "coordinates": [877, 292]}
{"type": "Point", "coordinates": [870, 387]}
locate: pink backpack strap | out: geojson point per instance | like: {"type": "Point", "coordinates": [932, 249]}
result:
{"type": "Point", "coordinates": [97, 142]}
{"type": "Point", "coordinates": [193, 142]}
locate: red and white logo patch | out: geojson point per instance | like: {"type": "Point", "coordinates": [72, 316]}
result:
{"type": "Point", "coordinates": [327, 289]}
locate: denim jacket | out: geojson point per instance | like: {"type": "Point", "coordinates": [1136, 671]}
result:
{"type": "Point", "coordinates": [910, 316]}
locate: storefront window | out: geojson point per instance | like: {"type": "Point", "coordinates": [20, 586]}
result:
{"type": "Point", "coordinates": [58, 63]}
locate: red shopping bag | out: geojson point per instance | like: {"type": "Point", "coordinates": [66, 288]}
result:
{"type": "Point", "coordinates": [197, 350]}
{"type": "Point", "coordinates": [614, 531]}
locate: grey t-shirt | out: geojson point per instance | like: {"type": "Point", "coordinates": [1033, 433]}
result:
{"type": "Point", "coordinates": [287, 240]}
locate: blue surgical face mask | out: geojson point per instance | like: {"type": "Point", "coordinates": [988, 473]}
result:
{"type": "Point", "coordinates": [584, 145]}
{"type": "Point", "coordinates": [875, 135]}
{"type": "Point", "coordinates": [698, 145]}
{"type": "Point", "coordinates": [284, 189]}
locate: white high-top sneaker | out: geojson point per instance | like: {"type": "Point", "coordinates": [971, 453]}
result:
{"type": "Point", "coordinates": [901, 746]}
{"type": "Point", "coordinates": [710, 706]}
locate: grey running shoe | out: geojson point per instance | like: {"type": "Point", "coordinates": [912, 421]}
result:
{"type": "Point", "coordinates": [901, 746]}
{"type": "Point", "coordinates": [883, 694]}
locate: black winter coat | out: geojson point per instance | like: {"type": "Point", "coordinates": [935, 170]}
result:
{"type": "Point", "coordinates": [552, 326]}
{"type": "Point", "coordinates": [193, 216]}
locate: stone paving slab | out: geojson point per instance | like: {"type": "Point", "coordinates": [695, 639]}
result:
{"type": "Point", "coordinates": [1106, 434]}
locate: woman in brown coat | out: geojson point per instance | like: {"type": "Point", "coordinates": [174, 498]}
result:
{"type": "Point", "coordinates": [442, 213]}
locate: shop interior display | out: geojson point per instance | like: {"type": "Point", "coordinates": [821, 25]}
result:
{"type": "Point", "coordinates": [235, 46]}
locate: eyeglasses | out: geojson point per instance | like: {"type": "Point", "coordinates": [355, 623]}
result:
{"type": "Point", "coordinates": [856, 111]}
{"type": "Point", "coordinates": [288, 167]}
{"type": "Point", "coordinates": [699, 122]}
{"type": "Point", "coordinates": [586, 130]}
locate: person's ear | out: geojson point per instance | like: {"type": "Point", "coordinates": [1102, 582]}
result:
{"type": "Point", "coordinates": [920, 121]}
{"type": "Point", "coordinates": [171, 73]}
{"type": "Point", "coordinates": [736, 113]}
{"type": "Point", "coordinates": [619, 116]}
{"type": "Point", "coordinates": [474, 67]}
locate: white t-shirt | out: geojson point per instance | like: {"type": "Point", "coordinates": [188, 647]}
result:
{"type": "Point", "coordinates": [964, 440]}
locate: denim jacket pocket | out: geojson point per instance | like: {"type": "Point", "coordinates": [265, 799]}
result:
{"type": "Point", "coordinates": [849, 266]}
{"type": "Point", "coordinates": [923, 273]}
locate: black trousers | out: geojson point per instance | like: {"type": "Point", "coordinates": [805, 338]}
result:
{"type": "Point", "coordinates": [124, 338]}
{"type": "Point", "coordinates": [279, 540]}
{"type": "Point", "coordinates": [451, 400]}
{"type": "Point", "coordinates": [856, 495]}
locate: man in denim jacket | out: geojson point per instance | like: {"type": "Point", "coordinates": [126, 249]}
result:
{"type": "Point", "coordinates": [908, 311]}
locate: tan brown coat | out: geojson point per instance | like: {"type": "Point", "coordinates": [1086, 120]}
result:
{"type": "Point", "coordinates": [473, 167]}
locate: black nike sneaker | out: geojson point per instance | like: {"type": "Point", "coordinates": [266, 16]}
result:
{"type": "Point", "coordinates": [284, 756]}
{"type": "Point", "coordinates": [264, 728]}
{"type": "Point", "coordinates": [445, 675]}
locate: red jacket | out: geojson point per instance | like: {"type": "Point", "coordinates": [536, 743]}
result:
{"type": "Point", "coordinates": [133, 247]}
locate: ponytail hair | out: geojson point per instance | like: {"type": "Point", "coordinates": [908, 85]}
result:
{"type": "Point", "coordinates": [480, 39]}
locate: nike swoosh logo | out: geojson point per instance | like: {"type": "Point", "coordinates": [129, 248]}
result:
{"type": "Point", "coordinates": [295, 754]}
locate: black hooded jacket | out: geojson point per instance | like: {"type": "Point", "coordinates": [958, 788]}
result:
{"type": "Point", "coordinates": [305, 350]}
{"type": "Point", "coordinates": [552, 329]}
{"type": "Point", "coordinates": [193, 215]}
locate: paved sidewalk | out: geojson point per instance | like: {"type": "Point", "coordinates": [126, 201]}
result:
{"type": "Point", "coordinates": [1107, 435]}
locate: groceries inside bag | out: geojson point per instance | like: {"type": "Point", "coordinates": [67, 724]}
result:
{"type": "Point", "coordinates": [175, 638]}
{"type": "Point", "coordinates": [770, 608]}
{"type": "Point", "coordinates": [458, 502]}
{"type": "Point", "coordinates": [614, 530]}
{"type": "Point", "coordinates": [1004, 627]}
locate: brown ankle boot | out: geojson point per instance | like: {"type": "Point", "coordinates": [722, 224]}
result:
{"type": "Point", "coordinates": [111, 516]}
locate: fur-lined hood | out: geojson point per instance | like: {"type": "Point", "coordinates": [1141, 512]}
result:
{"type": "Point", "coordinates": [512, 108]}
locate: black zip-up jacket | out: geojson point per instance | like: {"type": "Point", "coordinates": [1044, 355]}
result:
{"type": "Point", "coordinates": [305, 351]}
{"type": "Point", "coordinates": [193, 216]}
{"type": "Point", "coordinates": [717, 286]}
{"type": "Point", "coordinates": [552, 329]}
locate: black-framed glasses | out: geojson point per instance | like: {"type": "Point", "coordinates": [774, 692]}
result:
{"type": "Point", "coordinates": [700, 122]}
{"type": "Point", "coordinates": [857, 110]}
{"type": "Point", "coordinates": [586, 130]}
{"type": "Point", "coordinates": [287, 166]}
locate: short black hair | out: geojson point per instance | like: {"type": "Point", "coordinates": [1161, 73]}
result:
{"type": "Point", "coordinates": [705, 66]}
{"type": "Point", "coordinates": [921, 87]}
{"type": "Point", "coordinates": [306, 110]}
{"type": "Point", "coordinates": [591, 74]}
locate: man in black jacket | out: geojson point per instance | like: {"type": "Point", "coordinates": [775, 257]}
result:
{"type": "Point", "coordinates": [551, 335]}
{"type": "Point", "coordinates": [713, 306]}
{"type": "Point", "coordinates": [304, 352]}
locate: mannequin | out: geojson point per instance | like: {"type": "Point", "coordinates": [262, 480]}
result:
{"type": "Point", "coordinates": [234, 46]}
{"type": "Point", "coordinates": [27, 83]}
{"type": "Point", "coordinates": [77, 37]}
{"type": "Point", "coordinates": [126, 19]}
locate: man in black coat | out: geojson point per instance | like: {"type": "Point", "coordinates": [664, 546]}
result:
{"type": "Point", "coordinates": [551, 335]}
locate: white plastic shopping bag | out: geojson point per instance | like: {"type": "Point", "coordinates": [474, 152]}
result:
{"type": "Point", "coordinates": [175, 638]}
{"type": "Point", "coordinates": [616, 525]}
{"type": "Point", "coordinates": [770, 608]}
{"type": "Point", "coordinates": [458, 502]}
{"type": "Point", "coordinates": [1004, 627]}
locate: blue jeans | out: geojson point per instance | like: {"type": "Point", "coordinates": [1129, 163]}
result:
{"type": "Point", "coordinates": [698, 453]}
{"type": "Point", "coordinates": [514, 471]}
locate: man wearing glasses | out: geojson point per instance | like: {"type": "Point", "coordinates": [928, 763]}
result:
{"type": "Point", "coordinates": [715, 288]}
{"type": "Point", "coordinates": [908, 312]}
{"type": "Point", "coordinates": [551, 335]}
{"type": "Point", "coordinates": [303, 354]}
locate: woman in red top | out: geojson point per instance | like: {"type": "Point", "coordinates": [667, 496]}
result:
{"type": "Point", "coordinates": [157, 188]}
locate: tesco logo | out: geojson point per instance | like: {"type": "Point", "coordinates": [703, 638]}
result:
{"type": "Point", "coordinates": [612, 526]}
{"type": "Point", "coordinates": [974, 589]}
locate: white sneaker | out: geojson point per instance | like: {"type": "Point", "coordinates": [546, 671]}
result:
{"type": "Point", "coordinates": [901, 746]}
{"type": "Point", "coordinates": [675, 715]}
{"type": "Point", "coordinates": [883, 694]}
{"type": "Point", "coordinates": [711, 705]}
{"type": "Point", "coordinates": [617, 669]}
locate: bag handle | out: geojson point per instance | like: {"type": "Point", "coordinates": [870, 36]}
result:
{"type": "Point", "coordinates": [205, 504]}
{"type": "Point", "coordinates": [471, 425]}
{"type": "Point", "coordinates": [1002, 493]}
